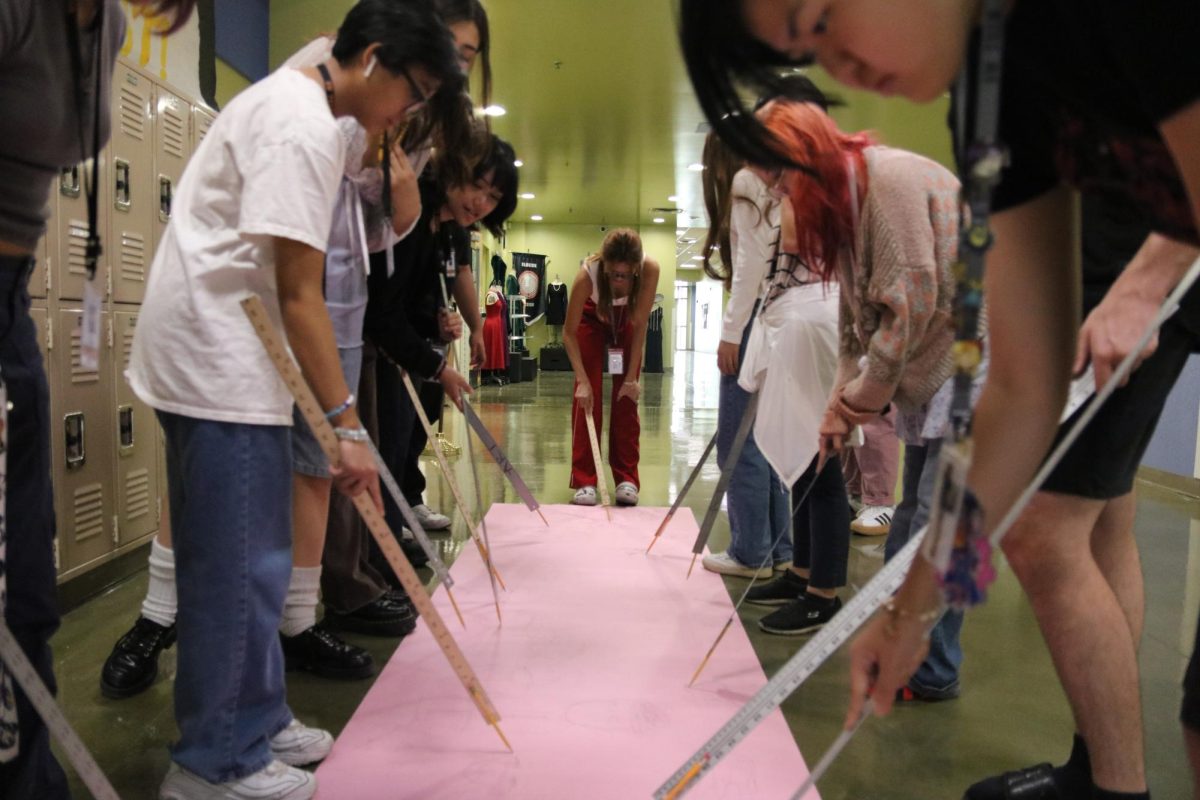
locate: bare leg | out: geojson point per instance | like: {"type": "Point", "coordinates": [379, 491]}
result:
{"type": "Point", "coordinates": [310, 513]}
{"type": "Point", "coordinates": [1086, 623]}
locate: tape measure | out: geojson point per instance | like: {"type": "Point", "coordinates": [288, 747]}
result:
{"type": "Point", "coordinates": [455, 490]}
{"type": "Point", "coordinates": [822, 645]}
{"type": "Point", "coordinates": [687, 487]}
{"type": "Point", "coordinates": [256, 312]}
{"type": "Point", "coordinates": [20, 668]}
{"type": "Point", "coordinates": [497, 452]}
{"type": "Point", "coordinates": [731, 460]}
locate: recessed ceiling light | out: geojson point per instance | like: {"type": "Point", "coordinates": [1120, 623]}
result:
{"type": "Point", "coordinates": [697, 258]}
{"type": "Point", "coordinates": [527, 196]}
{"type": "Point", "coordinates": [495, 111]}
{"type": "Point", "coordinates": [697, 167]}
{"type": "Point", "coordinates": [659, 220]}
{"type": "Point", "coordinates": [518, 163]}
{"type": "Point", "coordinates": [673, 199]}
{"type": "Point", "coordinates": [536, 217]}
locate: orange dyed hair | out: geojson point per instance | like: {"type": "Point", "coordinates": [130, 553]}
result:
{"type": "Point", "coordinates": [820, 197]}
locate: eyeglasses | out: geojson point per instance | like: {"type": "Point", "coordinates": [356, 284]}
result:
{"type": "Point", "coordinates": [417, 92]}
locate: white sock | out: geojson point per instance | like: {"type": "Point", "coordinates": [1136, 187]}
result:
{"type": "Point", "coordinates": [161, 601]}
{"type": "Point", "coordinates": [300, 607]}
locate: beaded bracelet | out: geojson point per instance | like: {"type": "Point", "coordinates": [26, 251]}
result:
{"type": "Point", "coordinates": [339, 410]}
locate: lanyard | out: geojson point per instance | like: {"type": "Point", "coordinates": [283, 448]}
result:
{"type": "Point", "coordinates": [981, 162]}
{"type": "Point", "coordinates": [94, 248]}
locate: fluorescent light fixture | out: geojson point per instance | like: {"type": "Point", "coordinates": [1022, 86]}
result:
{"type": "Point", "coordinates": [659, 220]}
{"type": "Point", "coordinates": [495, 111]}
{"type": "Point", "coordinates": [697, 167]}
{"type": "Point", "coordinates": [697, 258]}
{"type": "Point", "coordinates": [518, 163]}
{"type": "Point", "coordinates": [528, 196]}
{"type": "Point", "coordinates": [536, 217]}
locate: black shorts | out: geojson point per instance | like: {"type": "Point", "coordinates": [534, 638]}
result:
{"type": "Point", "coordinates": [1103, 462]}
{"type": "Point", "coordinates": [1189, 714]}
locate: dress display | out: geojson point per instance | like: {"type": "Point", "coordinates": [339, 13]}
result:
{"type": "Point", "coordinates": [556, 303]}
{"type": "Point", "coordinates": [653, 362]}
{"type": "Point", "coordinates": [495, 332]}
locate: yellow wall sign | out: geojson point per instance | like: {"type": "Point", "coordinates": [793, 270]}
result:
{"type": "Point", "coordinates": [174, 59]}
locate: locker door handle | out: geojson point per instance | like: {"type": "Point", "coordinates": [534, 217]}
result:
{"type": "Point", "coordinates": [125, 426]}
{"type": "Point", "coordinates": [76, 448]}
{"type": "Point", "coordinates": [68, 181]}
{"type": "Point", "coordinates": [166, 194]}
{"type": "Point", "coordinates": [121, 193]}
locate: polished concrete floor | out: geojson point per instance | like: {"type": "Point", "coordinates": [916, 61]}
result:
{"type": "Point", "coordinates": [1011, 713]}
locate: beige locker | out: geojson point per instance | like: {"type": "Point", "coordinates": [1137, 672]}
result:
{"type": "Point", "coordinates": [137, 482]}
{"type": "Point", "coordinates": [82, 436]}
{"type": "Point", "coordinates": [39, 282]}
{"type": "Point", "coordinates": [202, 119]}
{"type": "Point", "coordinates": [172, 144]}
{"type": "Point", "coordinates": [71, 229]}
{"type": "Point", "coordinates": [132, 185]}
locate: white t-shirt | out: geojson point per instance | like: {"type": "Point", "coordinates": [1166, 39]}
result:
{"type": "Point", "coordinates": [753, 231]}
{"type": "Point", "coordinates": [269, 167]}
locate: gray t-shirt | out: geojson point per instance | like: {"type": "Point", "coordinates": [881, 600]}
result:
{"type": "Point", "coordinates": [42, 127]}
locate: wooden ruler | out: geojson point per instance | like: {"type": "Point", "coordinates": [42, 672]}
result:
{"type": "Point", "coordinates": [731, 460]}
{"type": "Point", "coordinates": [323, 431]}
{"type": "Point", "coordinates": [601, 482]}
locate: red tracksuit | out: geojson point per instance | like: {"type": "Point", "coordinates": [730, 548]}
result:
{"type": "Point", "coordinates": [595, 336]}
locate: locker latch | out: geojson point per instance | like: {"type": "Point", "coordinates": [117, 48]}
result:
{"type": "Point", "coordinates": [121, 192]}
{"type": "Point", "coordinates": [166, 193]}
{"type": "Point", "coordinates": [75, 448]}
{"type": "Point", "coordinates": [125, 426]}
{"type": "Point", "coordinates": [68, 181]}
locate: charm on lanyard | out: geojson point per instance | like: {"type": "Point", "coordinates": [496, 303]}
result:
{"type": "Point", "coordinates": [957, 545]}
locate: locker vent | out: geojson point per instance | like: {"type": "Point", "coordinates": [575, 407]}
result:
{"type": "Point", "coordinates": [77, 233]}
{"type": "Point", "coordinates": [205, 122]}
{"type": "Point", "coordinates": [88, 516]}
{"type": "Point", "coordinates": [133, 257]}
{"type": "Point", "coordinates": [126, 348]}
{"type": "Point", "coordinates": [137, 494]}
{"type": "Point", "coordinates": [174, 131]}
{"type": "Point", "coordinates": [79, 375]}
{"type": "Point", "coordinates": [133, 112]}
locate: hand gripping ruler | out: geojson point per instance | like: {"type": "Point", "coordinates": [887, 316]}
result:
{"type": "Point", "coordinates": [256, 312]}
{"type": "Point", "coordinates": [501, 459]}
{"type": "Point", "coordinates": [687, 487]}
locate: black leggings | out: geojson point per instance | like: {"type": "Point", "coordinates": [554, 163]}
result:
{"type": "Point", "coordinates": [821, 525]}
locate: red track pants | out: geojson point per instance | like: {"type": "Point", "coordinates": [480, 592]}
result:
{"type": "Point", "coordinates": [595, 337]}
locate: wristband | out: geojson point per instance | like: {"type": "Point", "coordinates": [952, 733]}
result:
{"type": "Point", "coordinates": [352, 434]}
{"type": "Point", "coordinates": [339, 410]}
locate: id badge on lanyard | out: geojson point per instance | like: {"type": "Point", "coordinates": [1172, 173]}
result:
{"type": "Point", "coordinates": [616, 361]}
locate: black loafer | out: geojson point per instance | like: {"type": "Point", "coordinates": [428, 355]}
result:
{"type": "Point", "coordinates": [386, 616]}
{"type": "Point", "coordinates": [133, 663]}
{"type": "Point", "coordinates": [320, 652]}
{"type": "Point", "coordinates": [1032, 783]}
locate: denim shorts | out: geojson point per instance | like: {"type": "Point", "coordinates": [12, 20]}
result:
{"type": "Point", "coordinates": [307, 457]}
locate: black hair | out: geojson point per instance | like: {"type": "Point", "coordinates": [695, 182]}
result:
{"type": "Point", "coordinates": [410, 34]}
{"type": "Point", "coordinates": [453, 11]}
{"type": "Point", "coordinates": [721, 56]}
{"type": "Point", "coordinates": [499, 159]}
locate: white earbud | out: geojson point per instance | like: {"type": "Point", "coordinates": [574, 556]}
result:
{"type": "Point", "coordinates": [370, 66]}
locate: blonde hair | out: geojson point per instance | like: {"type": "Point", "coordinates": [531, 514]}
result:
{"type": "Point", "coordinates": [621, 246]}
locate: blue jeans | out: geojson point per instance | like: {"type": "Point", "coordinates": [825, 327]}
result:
{"type": "Point", "coordinates": [231, 523]}
{"type": "Point", "coordinates": [939, 672]}
{"type": "Point", "coordinates": [758, 501]}
{"type": "Point", "coordinates": [31, 612]}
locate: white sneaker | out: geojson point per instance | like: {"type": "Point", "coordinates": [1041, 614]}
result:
{"type": "Point", "coordinates": [298, 744]}
{"type": "Point", "coordinates": [584, 496]}
{"type": "Point", "coordinates": [430, 520]}
{"type": "Point", "coordinates": [627, 494]}
{"type": "Point", "coordinates": [873, 520]}
{"type": "Point", "coordinates": [724, 564]}
{"type": "Point", "coordinates": [276, 781]}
